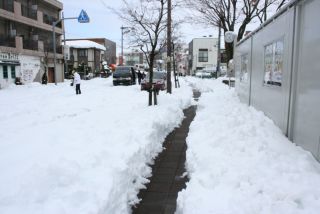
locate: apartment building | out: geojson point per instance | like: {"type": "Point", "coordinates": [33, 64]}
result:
{"type": "Point", "coordinates": [202, 53]}
{"type": "Point", "coordinates": [26, 41]}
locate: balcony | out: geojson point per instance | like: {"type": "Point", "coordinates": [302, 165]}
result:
{"type": "Point", "coordinates": [48, 47]}
{"type": "Point", "coordinates": [29, 12]}
{"type": "Point", "coordinates": [50, 19]}
{"type": "Point", "coordinates": [29, 44]}
{"type": "Point", "coordinates": [7, 5]}
{"type": "Point", "coordinates": [7, 41]}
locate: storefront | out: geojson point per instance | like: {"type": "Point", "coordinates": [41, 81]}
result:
{"type": "Point", "coordinates": [9, 68]}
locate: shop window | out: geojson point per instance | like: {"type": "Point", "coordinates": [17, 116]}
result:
{"type": "Point", "coordinates": [273, 63]}
{"type": "Point", "coordinates": [13, 72]}
{"type": "Point", "coordinates": [5, 72]}
{"type": "Point", "coordinates": [244, 68]}
{"type": "Point", "coordinates": [203, 55]}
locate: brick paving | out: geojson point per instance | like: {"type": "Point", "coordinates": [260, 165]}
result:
{"type": "Point", "coordinates": [166, 181]}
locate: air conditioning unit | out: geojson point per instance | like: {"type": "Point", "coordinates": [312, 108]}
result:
{"type": "Point", "coordinates": [34, 7]}
{"type": "Point", "coordinates": [13, 33]}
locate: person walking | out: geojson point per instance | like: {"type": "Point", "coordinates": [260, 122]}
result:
{"type": "Point", "coordinates": [139, 77]}
{"type": "Point", "coordinates": [76, 82]}
{"type": "Point", "coordinates": [133, 73]}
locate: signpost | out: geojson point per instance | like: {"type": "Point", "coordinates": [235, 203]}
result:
{"type": "Point", "coordinates": [230, 37]}
{"type": "Point", "coordinates": [82, 18]}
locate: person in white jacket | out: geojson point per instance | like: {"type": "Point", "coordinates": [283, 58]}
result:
{"type": "Point", "coordinates": [76, 82]}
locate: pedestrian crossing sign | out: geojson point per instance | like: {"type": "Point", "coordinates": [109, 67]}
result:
{"type": "Point", "coordinates": [83, 17]}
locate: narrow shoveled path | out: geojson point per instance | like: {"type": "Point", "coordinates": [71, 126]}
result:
{"type": "Point", "coordinates": [168, 170]}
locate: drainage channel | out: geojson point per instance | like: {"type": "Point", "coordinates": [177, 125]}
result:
{"type": "Point", "coordinates": [167, 172]}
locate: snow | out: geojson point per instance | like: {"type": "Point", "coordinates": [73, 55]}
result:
{"type": "Point", "coordinates": [238, 161]}
{"type": "Point", "coordinates": [89, 153]}
{"type": "Point", "coordinates": [84, 44]}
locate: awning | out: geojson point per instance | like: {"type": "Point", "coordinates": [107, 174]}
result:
{"type": "Point", "coordinates": [9, 62]}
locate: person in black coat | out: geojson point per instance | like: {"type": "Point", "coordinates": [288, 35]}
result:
{"type": "Point", "coordinates": [133, 76]}
{"type": "Point", "coordinates": [140, 76]}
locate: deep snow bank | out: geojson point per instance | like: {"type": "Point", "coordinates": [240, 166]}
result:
{"type": "Point", "coordinates": [62, 153]}
{"type": "Point", "coordinates": [239, 162]}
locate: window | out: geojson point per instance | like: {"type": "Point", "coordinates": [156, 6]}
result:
{"type": "Point", "coordinates": [203, 55]}
{"type": "Point", "coordinates": [244, 68]}
{"type": "Point", "coordinates": [273, 63]}
{"type": "Point", "coordinates": [5, 72]}
{"type": "Point", "coordinates": [13, 72]}
{"type": "Point", "coordinates": [82, 53]}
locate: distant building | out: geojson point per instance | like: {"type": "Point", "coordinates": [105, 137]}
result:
{"type": "Point", "coordinates": [26, 43]}
{"type": "Point", "coordinates": [85, 56]}
{"type": "Point", "coordinates": [202, 53]}
{"type": "Point", "coordinates": [133, 58]}
{"type": "Point", "coordinates": [110, 54]}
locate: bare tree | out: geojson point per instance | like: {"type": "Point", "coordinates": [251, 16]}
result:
{"type": "Point", "coordinates": [147, 22]}
{"type": "Point", "coordinates": [230, 14]}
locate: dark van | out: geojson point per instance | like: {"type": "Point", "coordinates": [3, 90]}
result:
{"type": "Point", "coordinates": [124, 75]}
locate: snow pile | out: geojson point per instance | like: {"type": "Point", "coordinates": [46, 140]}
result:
{"type": "Point", "coordinates": [88, 153]}
{"type": "Point", "coordinates": [239, 162]}
{"type": "Point", "coordinates": [84, 44]}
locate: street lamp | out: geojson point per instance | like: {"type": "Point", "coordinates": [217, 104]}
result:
{"type": "Point", "coordinates": [82, 18]}
{"type": "Point", "coordinates": [122, 33]}
{"type": "Point", "coordinates": [231, 37]}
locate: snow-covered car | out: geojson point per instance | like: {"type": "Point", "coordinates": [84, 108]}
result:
{"type": "Point", "coordinates": [203, 74]}
{"type": "Point", "coordinates": [159, 81]}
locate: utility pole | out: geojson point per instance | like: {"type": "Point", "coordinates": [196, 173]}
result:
{"type": "Point", "coordinates": [169, 85]}
{"type": "Point", "coordinates": [122, 33]}
{"type": "Point", "coordinates": [64, 55]}
{"type": "Point", "coordinates": [122, 28]}
{"type": "Point", "coordinates": [219, 52]}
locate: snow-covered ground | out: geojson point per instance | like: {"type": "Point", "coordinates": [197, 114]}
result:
{"type": "Point", "coordinates": [90, 153]}
{"type": "Point", "coordinates": [239, 162]}
{"type": "Point", "coordinates": [62, 153]}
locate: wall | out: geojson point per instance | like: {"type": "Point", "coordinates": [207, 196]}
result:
{"type": "Point", "coordinates": [293, 105]}
{"type": "Point", "coordinates": [306, 113]}
{"type": "Point", "coordinates": [29, 68]}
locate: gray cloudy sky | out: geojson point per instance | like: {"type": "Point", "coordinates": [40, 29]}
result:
{"type": "Point", "coordinates": [103, 23]}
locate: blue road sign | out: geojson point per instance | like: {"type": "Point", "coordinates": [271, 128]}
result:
{"type": "Point", "coordinates": [83, 17]}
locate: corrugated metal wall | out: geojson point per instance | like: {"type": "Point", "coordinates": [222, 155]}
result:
{"type": "Point", "coordinates": [289, 46]}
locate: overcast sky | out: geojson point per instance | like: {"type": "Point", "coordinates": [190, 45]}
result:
{"type": "Point", "coordinates": [105, 24]}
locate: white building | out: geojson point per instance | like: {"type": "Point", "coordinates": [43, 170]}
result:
{"type": "Point", "coordinates": [202, 53]}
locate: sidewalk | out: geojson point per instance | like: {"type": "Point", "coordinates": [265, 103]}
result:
{"type": "Point", "coordinates": [167, 180]}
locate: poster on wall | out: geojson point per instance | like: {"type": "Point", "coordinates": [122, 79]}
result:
{"type": "Point", "coordinates": [273, 63]}
{"type": "Point", "coordinates": [244, 68]}
{"type": "Point", "coordinates": [30, 67]}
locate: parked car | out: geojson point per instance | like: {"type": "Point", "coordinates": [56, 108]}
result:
{"type": "Point", "coordinates": [123, 75]}
{"type": "Point", "coordinates": [159, 81]}
{"type": "Point", "coordinates": [204, 74]}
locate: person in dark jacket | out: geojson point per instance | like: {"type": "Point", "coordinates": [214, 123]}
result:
{"type": "Point", "coordinates": [139, 77]}
{"type": "Point", "coordinates": [133, 76]}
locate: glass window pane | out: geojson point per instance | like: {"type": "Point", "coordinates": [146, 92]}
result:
{"type": "Point", "coordinates": [5, 72]}
{"type": "Point", "coordinates": [13, 72]}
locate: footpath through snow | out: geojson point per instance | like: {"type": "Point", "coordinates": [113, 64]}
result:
{"type": "Point", "coordinates": [62, 153]}
{"type": "Point", "coordinates": [239, 162]}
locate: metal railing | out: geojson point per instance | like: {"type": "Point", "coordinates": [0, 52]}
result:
{"type": "Point", "coordinates": [29, 12]}
{"type": "Point", "coordinates": [47, 19]}
{"type": "Point", "coordinates": [48, 47]}
{"type": "Point", "coordinates": [7, 5]}
{"type": "Point", "coordinates": [8, 41]}
{"type": "Point", "coordinates": [30, 44]}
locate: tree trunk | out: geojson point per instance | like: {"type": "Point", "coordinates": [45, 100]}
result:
{"type": "Point", "coordinates": [152, 55]}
